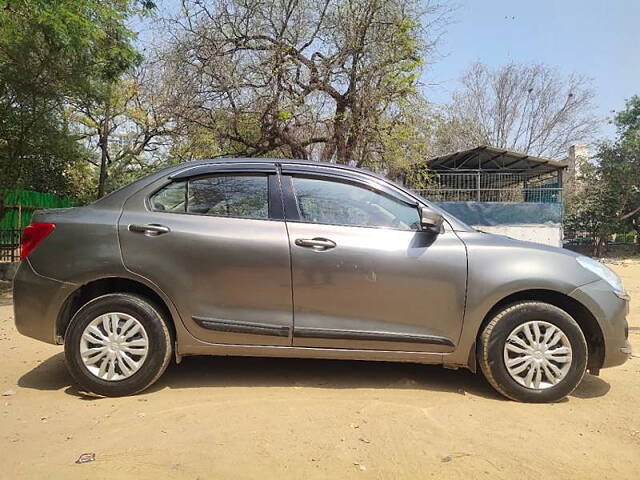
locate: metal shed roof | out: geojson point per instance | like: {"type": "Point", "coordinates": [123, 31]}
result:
{"type": "Point", "coordinates": [495, 159]}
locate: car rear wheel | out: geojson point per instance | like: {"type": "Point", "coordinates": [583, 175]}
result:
{"type": "Point", "coordinates": [533, 352]}
{"type": "Point", "coordinates": [117, 344]}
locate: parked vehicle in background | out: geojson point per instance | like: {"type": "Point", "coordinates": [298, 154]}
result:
{"type": "Point", "coordinates": [284, 258]}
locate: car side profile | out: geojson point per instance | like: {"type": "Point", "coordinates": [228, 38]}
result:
{"type": "Point", "coordinates": [286, 258]}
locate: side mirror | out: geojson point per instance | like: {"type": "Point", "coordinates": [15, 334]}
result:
{"type": "Point", "coordinates": [431, 221]}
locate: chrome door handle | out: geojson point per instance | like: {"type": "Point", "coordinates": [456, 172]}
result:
{"type": "Point", "coordinates": [315, 243]}
{"type": "Point", "coordinates": [150, 230]}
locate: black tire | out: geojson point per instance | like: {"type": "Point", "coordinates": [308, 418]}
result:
{"type": "Point", "coordinates": [159, 348]}
{"type": "Point", "coordinates": [492, 343]}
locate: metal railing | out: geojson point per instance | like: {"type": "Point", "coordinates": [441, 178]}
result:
{"type": "Point", "coordinates": [10, 244]}
{"type": "Point", "coordinates": [482, 186]}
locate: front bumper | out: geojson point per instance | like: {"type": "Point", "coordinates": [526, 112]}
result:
{"type": "Point", "coordinates": [37, 300]}
{"type": "Point", "coordinates": [611, 313]}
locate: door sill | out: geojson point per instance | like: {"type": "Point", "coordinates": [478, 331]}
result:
{"type": "Point", "coordinates": [202, 348]}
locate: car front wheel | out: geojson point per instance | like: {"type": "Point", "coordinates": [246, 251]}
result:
{"type": "Point", "coordinates": [117, 344]}
{"type": "Point", "coordinates": [533, 352]}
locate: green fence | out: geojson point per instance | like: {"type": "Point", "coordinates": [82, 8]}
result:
{"type": "Point", "coordinates": [20, 205]}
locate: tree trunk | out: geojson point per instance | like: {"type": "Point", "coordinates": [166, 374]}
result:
{"type": "Point", "coordinates": [339, 133]}
{"type": "Point", "coordinates": [1, 205]}
{"type": "Point", "coordinates": [327, 151]}
{"type": "Point", "coordinates": [636, 226]}
{"type": "Point", "coordinates": [104, 155]}
{"type": "Point", "coordinates": [599, 247]}
{"type": "Point", "coordinates": [102, 180]}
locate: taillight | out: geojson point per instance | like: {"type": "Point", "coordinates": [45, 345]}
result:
{"type": "Point", "coordinates": [32, 236]}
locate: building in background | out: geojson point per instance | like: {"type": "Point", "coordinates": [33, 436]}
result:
{"type": "Point", "coordinates": [578, 156]}
{"type": "Point", "coordinates": [500, 191]}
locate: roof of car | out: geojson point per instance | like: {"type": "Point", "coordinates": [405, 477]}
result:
{"type": "Point", "coordinates": [259, 160]}
{"type": "Point", "coordinates": [294, 161]}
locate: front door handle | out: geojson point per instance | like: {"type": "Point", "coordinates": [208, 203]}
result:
{"type": "Point", "coordinates": [150, 230]}
{"type": "Point", "coordinates": [317, 243]}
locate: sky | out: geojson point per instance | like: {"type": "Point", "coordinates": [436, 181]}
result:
{"type": "Point", "coordinates": [599, 39]}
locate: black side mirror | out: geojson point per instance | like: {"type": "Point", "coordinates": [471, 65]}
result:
{"type": "Point", "coordinates": [431, 221]}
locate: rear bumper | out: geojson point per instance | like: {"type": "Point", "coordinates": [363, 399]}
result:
{"type": "Point", "coordinates": [611, 313]}
{"type": "Point", "coordinates": [37, 300]}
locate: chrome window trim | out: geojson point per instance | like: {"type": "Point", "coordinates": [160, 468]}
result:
{"type": "Point", "coordinates": [171, 179]}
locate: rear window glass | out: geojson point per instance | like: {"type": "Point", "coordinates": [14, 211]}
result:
{"type": "Point", "coordinates": [171, 198]}
{"type": "Point", "coordinates": [240, 196]}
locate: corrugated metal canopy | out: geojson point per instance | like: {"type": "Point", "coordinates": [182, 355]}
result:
{"type": "Point", "coordinates": [495, 159]}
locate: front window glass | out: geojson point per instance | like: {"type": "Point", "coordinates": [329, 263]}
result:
{"type": "Point", "coordinates": [338, 203]}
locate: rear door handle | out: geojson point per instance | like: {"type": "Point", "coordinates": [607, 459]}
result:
{"type": "Point", "coordinates": [315, 243]}
{"type": "Point", "coordinates": [150, 230]}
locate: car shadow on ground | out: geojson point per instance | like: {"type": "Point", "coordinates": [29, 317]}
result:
{"type": "Point", "coordinates": [220, 372]}
{"type": "Point", "coordinates": [5, 297]}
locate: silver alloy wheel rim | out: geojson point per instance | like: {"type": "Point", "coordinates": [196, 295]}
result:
{"type": "Point", "coordinates": [537, 355]}
{"type": "Point", "coordinates": [114, 346]}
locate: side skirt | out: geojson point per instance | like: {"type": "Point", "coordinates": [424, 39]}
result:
{"type": "Point", "coordinates": [309, 352]}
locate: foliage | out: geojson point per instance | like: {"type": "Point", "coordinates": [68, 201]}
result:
{"type": "Point", "coordinates": [82, 113]}
{"type": "Point", "coordinates": [194, 142]}
{"type": "Point", "coordinates": [331, 80]}
{"type": "Point", "coordinates": [53, 51]}
{"type": "Point", "coordinates": [607, 198]}
{"type": "Point", "coordinates": [620, 164]}
{"type": "Point", "coordinates": [129, 127]}
{"type": "Point", "coordinates": [64, 47]}
{"type": "Point", "coordinates": [592, 209]}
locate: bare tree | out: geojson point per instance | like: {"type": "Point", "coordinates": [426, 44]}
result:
{"type": "Point", "coordinates": [127, 127]}
{"type": "Point", "coordinates": [527, 108]}
{"type": "Point", "coordinates": [311, 79]}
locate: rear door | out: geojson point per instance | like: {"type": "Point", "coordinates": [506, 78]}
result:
{"type": "Point", "coordinates": [214, 240]}
{"type": "Point", "coordinates": [364, 276]}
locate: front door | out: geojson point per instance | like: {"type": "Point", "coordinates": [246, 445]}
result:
{"type": "Point", "coordinates": [364, 276]}
{"type": "Point", "coordinates": [216, 244]}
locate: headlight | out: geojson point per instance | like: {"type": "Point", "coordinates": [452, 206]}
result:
{"type": "Point", "coordinates": [603, 272]}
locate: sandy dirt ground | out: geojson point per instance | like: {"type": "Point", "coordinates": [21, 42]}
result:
{"type": "Point", "coordinates": [263, 418]}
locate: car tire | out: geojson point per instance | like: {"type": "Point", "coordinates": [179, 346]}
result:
{"type": "Point", "coordinates": [533, 352]}
{"type": "Point", "coordinates": [105, 331]}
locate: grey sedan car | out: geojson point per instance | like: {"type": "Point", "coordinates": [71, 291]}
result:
{"type": "Point", "coordinates": [285, 258]}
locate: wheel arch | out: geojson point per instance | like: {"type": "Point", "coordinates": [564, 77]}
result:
{"type": "Point", "coordinates": [581, 314]}
{"type": "Point", "coordinates": [106, 285]}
